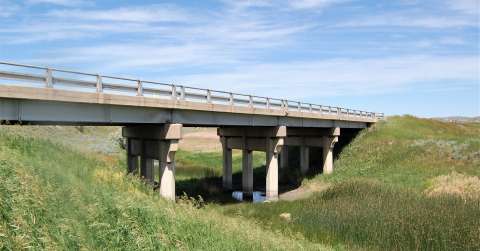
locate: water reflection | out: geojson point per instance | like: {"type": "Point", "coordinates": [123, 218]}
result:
{"type": "Point", "coordinates": [255, 197]}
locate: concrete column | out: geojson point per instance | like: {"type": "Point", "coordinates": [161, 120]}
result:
{"type": "Point", "coordinates": [149, 174]}
{"type": "Point", "coordinates": [132, 155]}
{"type": "Point", "coordinates": [132, 164]}
{"type": "Point", "coordinates": [247, 172]}
{"type": "Point", "coordinates": [157, 142]}
{"type": "Point", "coordinates": [328, 144]}
{"type": "Point", "coordinates": [227, 164]}
{"type": "Point", "coordinates": [143, 166]}
{"type": "Point", "coordinates": [273, 148]}
{"type": "Point", "coordinates": [284, 157]}
{"type": "Point", "coordinates": [304, 159]}
{"type": "Point", "coordinates": [168, 148]}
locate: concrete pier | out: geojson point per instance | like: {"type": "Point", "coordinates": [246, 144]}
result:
{"type": "Point", "coordinates": [328, 144]}
{"type": "Point", "coordinates": [168, 149]}
{"type": "Point", "coordinates": [247, 171]}
{"type": "Point", "coordinates": [274, 146]}
{"type": "Point", "coordinates": [157, 143]}
{"type": "Point", "coordinates": [304, 159]}
{"type": "Point", "coordinates": [284, 157]}
{"type": "Point", "coordinates": [227, 164]}
{"type": "Point", "coordinates": [267, 139]}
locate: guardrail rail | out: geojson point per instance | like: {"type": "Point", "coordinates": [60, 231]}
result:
{"type": "Point", "coordinates": [46, 77]}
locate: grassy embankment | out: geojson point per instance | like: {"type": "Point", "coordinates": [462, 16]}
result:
{"type": "Point", "coordinates": [406, 184]}
{"type": "Point", "coordinates": [53, 197]}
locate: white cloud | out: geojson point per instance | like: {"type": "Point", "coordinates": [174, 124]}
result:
{"type": "Point", "coordinates": [8, 8]}
{"type": "Point", "coordinates": [59, 2]}
{"type": "Point", "coordinates": [337, 77]}
{"type": "Point", "coordinates": [155, 13]}
{"type": "Point", "coordinates": [465, 6]}
{"type": "Point", "coordinates": [409, 20]}
{"type": "Point", "coordinates": [312, 4]}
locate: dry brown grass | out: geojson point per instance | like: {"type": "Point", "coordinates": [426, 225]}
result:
{"type": "Point", "coordinates": [457, 184]}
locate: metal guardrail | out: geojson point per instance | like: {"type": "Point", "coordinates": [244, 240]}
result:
{"type": "Point", "coordinates": [50, 78]}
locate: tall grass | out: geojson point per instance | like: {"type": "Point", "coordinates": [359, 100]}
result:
{"type": "Point", "coordinates": [52, 197]}
{"type": "Point", "coordinates": [408, 152]}
{"type": "Point", "coordinates": [374, 215]}
{"type": "Point", "coordinates": [377, 197]}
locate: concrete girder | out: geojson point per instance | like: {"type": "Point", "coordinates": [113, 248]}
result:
{"type": "Point", "coordinates": [253, 132]}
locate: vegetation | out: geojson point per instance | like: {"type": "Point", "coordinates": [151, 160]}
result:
{"type": "Point", "coordinates": [381, 197]}
{"type": "Point", "coordinates": [404, 184]}
{"type": "Point", "coordinates": [55, 198]}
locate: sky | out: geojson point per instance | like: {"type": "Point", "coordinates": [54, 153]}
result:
{"type": "Point", "coordinates": [416, 57]}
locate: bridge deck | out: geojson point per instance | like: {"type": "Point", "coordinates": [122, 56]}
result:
{"type": "Point", "coordinates": [59, 96]}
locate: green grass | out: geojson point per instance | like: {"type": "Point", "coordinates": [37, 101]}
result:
{"type": "Point", "coordinates": [408, 152]}
{"type": "Point", "coordinates": [376, 199]}
{"type": "Point", "coordinates": [371, 215]}
{"type": "Point", "coordinates": [53, 197]}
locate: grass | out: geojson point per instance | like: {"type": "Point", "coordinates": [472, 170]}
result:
{"type": "Point", "coordinates": [380, 194]}
{"type": "Point", "coordinates": [406, 183]}
{"type": "Point", "coordinates": [53, 197]}
{"type": "Point", "coordinates": [372, 215]}
{"type": "Point", "coordinates": [408, 152]}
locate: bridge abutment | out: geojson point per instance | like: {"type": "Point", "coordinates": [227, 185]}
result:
{"type": "Point", "coordinates": [150, 143]}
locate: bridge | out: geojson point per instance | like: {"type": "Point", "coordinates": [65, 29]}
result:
{"type": "Point", "coordinates": [152, 115]}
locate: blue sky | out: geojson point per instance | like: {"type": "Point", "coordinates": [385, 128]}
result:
{"type": "Point", "coordinates": [398, 57]}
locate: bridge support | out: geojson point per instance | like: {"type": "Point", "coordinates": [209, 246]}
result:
{"type": "Point", "coordinates": [284, 157]}
{"type": "Point", "coordinates": [133, 149]}
{"type": "Point", "coordinates": [304, 158]}
{"type": "Point", "coordinates": [227, 164]}
{"type": "Point", "coordinates": [247, 172]}
{"type": "Point", "coordinates": [157, 143]}
{"type": "Point", "coordinates": [328, 144]}
{"type": "Point", "coordinates": [274, 146]}
{"type": "Point", "coordinates": [314, 137]}
{"type": "Point", "coordinates": [249, 139]}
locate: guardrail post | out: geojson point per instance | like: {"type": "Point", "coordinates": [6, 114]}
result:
{"type": "Point", "coordinates": [182, 92]}
{"type": "Point", "coordinates": [174, 92]}
{"type": "Point", "coordinates": [99, 84]}
{"type": "Point", "coordinates": [231, 99]}
{"type": "Point", "coordinates": [310, 109]}
{"type": "Point", "coordinates": [209, 96]}
{"type": "Point", "coordinates": [286, 105]}
{"type": "Point", "coordinates": [299, 106]}
{"type": "Point", "coordinates": [139, 88]}
{"type": "Point", "coordinates": [250, 101]}
{"type": "Point", "coordinates": [49, 78]}
{"type": "Point", "coordinates": [268, 104]}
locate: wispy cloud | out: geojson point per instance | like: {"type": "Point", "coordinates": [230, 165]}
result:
{"type": "Point", "coordinates": [8, 8]}
{"type": "Point", "coordinates": [68, 3]}
{"type": "Point", "coordinates": [411, 20]}
{"type": "Point", "coordinates": [465, 6]}
{"type": "Point", "coordinates": [337, 77]}
{"type": "Point", "coordinates": [154, 13]}
{"type": "Point", "coordinates": [313, 4]}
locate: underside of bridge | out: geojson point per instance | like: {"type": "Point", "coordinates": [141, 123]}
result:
{"type": "Point", "coordinates": [149, 143]}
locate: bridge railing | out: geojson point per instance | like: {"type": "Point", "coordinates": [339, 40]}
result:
{"type": "Point", "coordinates": [36, 76]}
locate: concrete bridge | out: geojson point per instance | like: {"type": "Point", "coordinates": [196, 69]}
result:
{"type": "Point", "coordinates": [152, 115]}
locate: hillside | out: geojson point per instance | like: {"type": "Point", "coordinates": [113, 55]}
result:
{"type": "Point", "coordinates": [55, 197]}
{"type": "Point", "coordinates": [406, 183]}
